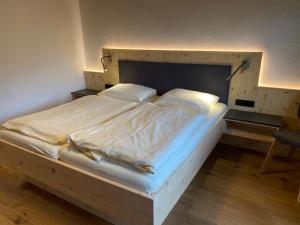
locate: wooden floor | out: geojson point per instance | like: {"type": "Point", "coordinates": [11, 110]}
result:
{"type": "Point", "coordinates": [225, 192]}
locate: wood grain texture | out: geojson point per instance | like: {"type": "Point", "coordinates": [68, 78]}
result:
{"type": "Point", "coordinates": [256, 145]}
{"type": "Point", "coordinates": [270, 154]}
{"type": "Point", "coordinates": [224, 192]}
{"type": "Point", "coordinates": [110, 200]}
{"type": "Point", "coordinates": [95, 80]}
{"type": "Point", "coordinates": [255, 137]}
{"type": "Point", "coordinates": [244, 85]}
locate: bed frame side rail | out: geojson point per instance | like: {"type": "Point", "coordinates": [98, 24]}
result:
{"type": "Point", "coordinates": [110, 200]}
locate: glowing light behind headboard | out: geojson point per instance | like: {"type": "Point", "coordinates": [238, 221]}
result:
{"type": "Point", "coordinates": [262, 81]}
{"type": "Point", "coordinates": [100, 70]}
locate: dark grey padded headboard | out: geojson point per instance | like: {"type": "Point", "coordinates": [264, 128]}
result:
{"type": "Point", "coordinates": [167, 76]}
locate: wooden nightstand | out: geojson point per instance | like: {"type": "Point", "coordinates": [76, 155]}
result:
{"type": "Point", "coordinates": [252, 125]}
{"type": "Point", "coordinates": [84, 92]}
{"type": "Point", "coordinates": [258, 126]}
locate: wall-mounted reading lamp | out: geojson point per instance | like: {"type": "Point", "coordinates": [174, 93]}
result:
{"type": "Point", "coordinates": [244, 65]}
{"type": "Point", "coordinates": [104, 60]}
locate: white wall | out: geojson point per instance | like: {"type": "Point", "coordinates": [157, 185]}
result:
{"type": "Point", "coordinates": [271, 26]}
{"type": "Point", "coordinates": [41, 54]}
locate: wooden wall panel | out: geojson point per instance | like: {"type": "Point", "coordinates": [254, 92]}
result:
{"type": "Point", "coordinates": [277, 101]}
{"type": "Point", "coordinates": [95, 80]}
{"type": "Point", "coordinates": [243, 86]}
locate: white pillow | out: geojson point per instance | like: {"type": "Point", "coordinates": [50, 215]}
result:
{"type": "Point", "coordinates": [194, 100]}
{"type": "Point", "coordinates": [130, 92]}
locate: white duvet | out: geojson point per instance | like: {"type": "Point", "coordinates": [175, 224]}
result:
{"type": "Point", "coordinates": [54, 125]}
{"type": "Point", "coordinates": [144, 137]}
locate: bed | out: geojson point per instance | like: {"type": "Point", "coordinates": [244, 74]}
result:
{"type": "Point", "coordinates": [137, 199]}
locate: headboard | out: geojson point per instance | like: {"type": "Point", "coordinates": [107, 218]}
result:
{"type": "Point", "coordinates": [166, 76]}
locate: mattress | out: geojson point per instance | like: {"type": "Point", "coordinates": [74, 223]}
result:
{"type": "Point", "coordinates": [203, 139]}
{"type": "Point", "coordinates": [32, 144]}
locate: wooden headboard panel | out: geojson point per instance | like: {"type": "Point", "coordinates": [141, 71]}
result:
{"type": "Point", "coordinates": [243, 86]}
{"type": "Point", "coordinates": [167, 76]}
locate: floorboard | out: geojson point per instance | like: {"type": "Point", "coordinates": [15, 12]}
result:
{"type": "Point", "coordinates": [226, 191]}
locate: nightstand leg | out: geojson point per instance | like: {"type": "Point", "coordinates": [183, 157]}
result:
{"type": "Point", "coordinates": [266, 163]}
{"type": "Point", "coordinates": [291, 153]}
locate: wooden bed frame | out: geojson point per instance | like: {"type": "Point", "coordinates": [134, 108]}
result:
{"type": "Point", "coordinates": [107, 199]}
{"type": "Point", "coordinates": [112, 201]}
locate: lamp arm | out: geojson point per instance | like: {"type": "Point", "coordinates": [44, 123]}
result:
{"type": "Point", "coordinates": [102, 61]}
{"type": "Point", "coordinates": [240, 66]}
